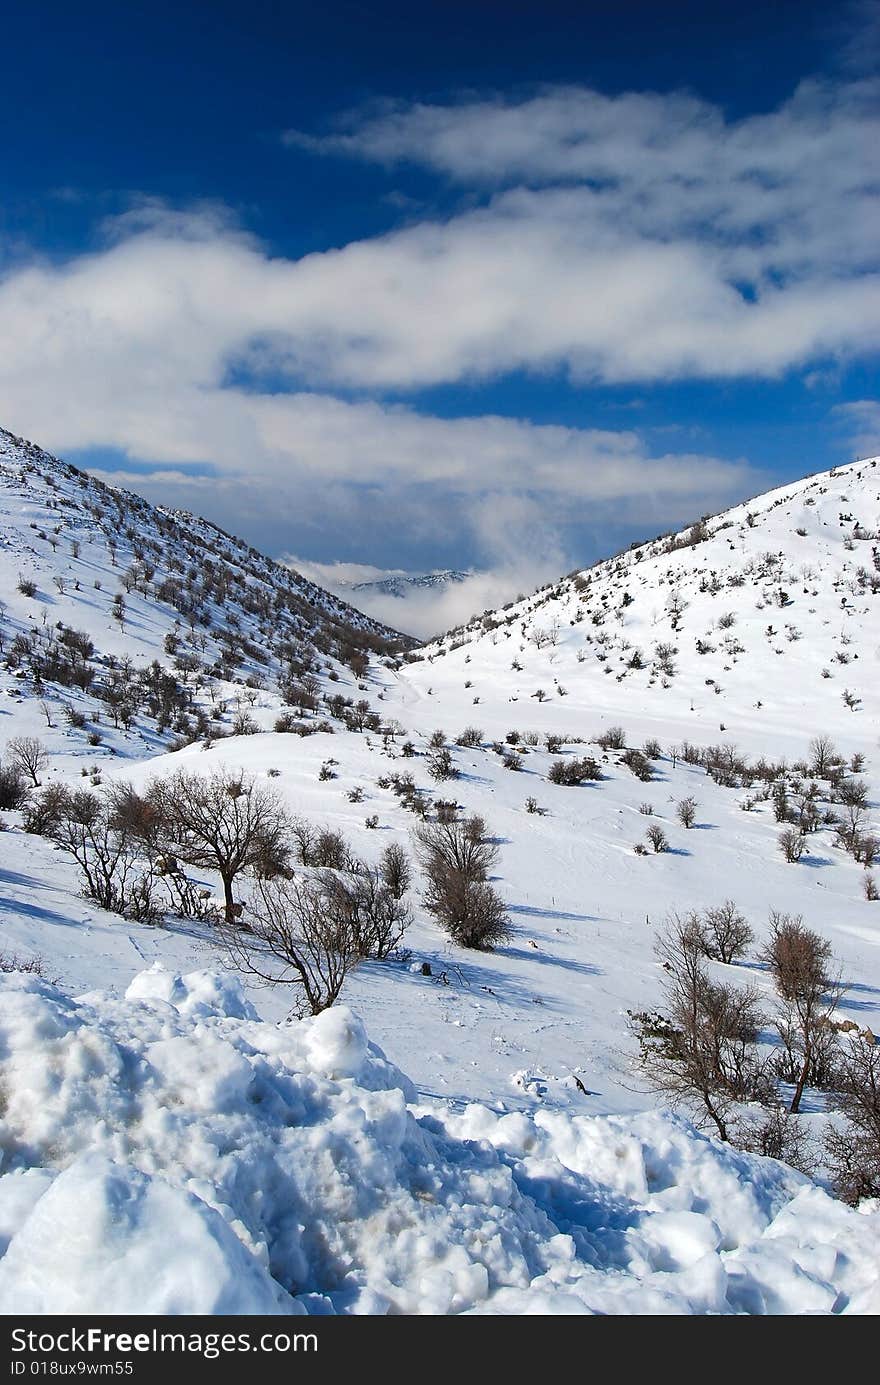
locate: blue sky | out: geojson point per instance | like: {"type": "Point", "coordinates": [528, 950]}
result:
{"type": "Point", "coordinates": [498, 285]}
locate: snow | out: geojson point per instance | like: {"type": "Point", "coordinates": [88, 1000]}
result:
{"type": "Point", "coordinates": [519, 1167]}
{"type": "Point", "coordinates": [170, 1153]}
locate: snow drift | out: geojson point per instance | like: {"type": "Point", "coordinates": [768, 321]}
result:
{"type": "Point", "coordinates": [171, 1153]}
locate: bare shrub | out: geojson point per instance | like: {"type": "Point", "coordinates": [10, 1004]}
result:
{"type": "Point", "coordinates": [224, 822]}
{"type": "Point", "coordinates": [613, 738]}
{"type": "Point", "coordinates": [441, 764]}
{"type": "Point", "coordinates": [657, 837]}
{"type": "Point", "coordinates": [792, 844]}
{"type": "Point", "coordinates": [726, 932]}
{"type": "Point", "coordinates": [470, 911]}
{"type": "Point", "coordinates": [853, 1151]}
{"type": "Point", "coordinates": [639, 764]}
{"type": "Point", "coordinates": [800, 963]}
{"type": "Point", "coordinates": [364, 905]}
{"type": "Point", "coordinates": [686, 811]}
{"type": "Point", "coordinates": [44, 811]}
{"type": "Point", "coordinates": [456, 857]}
{"type": "Point", "coordinates": [395, 870]}
{"type": "Point", "coordinates": [471, 737]}
{"type": "Point", "coordinates": [776, 1134]}
{"type": "Point", "coordinates": [330, 850]}
{"type": "Point", "coordinates": [296, 937]}
{"type": "Point", "coordinates": [578, 770]}
{"type": "Point", "coordinates": [114, 872]}
{"type": "Point", "coordinates": [29, 755]}
{"type": "Point", "coordinates": [30, 966]}
{"type": "Point", "coordinates": [701, 1050]}
{"type": "Point", "coordinates": [13, 789]}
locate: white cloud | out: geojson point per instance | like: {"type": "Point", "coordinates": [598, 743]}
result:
{"type": "Point", "coordinates": [632, 237]}
{"type": "Point", "coordinates": [638, 238]}
{"type": "Point", "coordinates": [339, 576]}
{"type": "Point", "coordinates": [861, 418]}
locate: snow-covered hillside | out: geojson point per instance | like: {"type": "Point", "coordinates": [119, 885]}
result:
{"type": "Point", "coordinates": [97, 585]}
{"type": "Point", "coordinates": [751, 626]}
{"type": "Point", "coordinates": [404, 584]}
{"type": "Point", "coordinates": [721, 654]}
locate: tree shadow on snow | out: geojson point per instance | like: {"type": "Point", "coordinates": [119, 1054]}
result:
{"type": "Point", "coordinates": [14, 877]}
{"type": "Point", "coordinates": [522, 954]}
{"type": "Point", "coordinates": [551, 913]}
{"type": "Point", "coordinates": [35, 911]}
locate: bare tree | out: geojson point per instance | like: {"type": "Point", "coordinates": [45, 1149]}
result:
{"type": "Point", "coordinates": [396, 870]}
{"type": "Point", "coordinates": [29, 754]}
{"type": "Point", "coordinates": [823, 755]}
{"type": "Point", "coordinates": [364, 905]}
{"type": "Point", "coordinates": [726, 932]}
{"type": "Point", "coordinates": [459, 845]}
{"type": "Point", "coordinates": [470, 911]}
{"type": "Point", "coordinates": [854, 1150]}
{"type": "Point", "coordinates": [657, 837]}
{"type": "Point", "coordinates": [791, 844]}
{"type": "Point", "coordinates": [701, 1050]}
{"type": "Point", "coordinates": [296, 937]}
{"type": "Point", "coordinates": [114, 871]}
{"type": "Point", "coordinates": [686, 811]}
{"type": "Point", "coordinates": [456, 856]}
{"type": "Point", "coordinates": [800, 963]}
{"type": "Point", "coordinates": [224, 822]}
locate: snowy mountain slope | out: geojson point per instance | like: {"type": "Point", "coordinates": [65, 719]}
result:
{"type": "Point", "coordinates": [537, 1027]}
{"type": "Point", "coordinates": [760, 619]}
{"type": "Point", "coordinates": [403, 585]}
{"type": "Point", "coordinates": [97, 585]}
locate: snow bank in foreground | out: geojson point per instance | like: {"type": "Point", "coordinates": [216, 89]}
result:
{"type": "Point", "coordinates": [170, 1153]}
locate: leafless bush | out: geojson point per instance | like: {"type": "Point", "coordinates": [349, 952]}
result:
{"type": "Point", "coordinates": [776, 1134]}
{"type": "Point", "coordinates": [470, 911]}
{"type": "Point", "coordinates": [726, 932]}
{"type": "Point", "coordinates": [639, 764]}
{"type": "Point", "coordinates": [224, 822]}
{"type": "Point", "coordinates": [31, 966]}
{"type": "Point", "coordinates": [852, 792]}
{"type": "Point", "coordinates": [29, 755]}
{"type": "Point", "coordinates": [363, 905]}
{"type": "Point", "coordinates": [330, 850]}
{"type": "Point", "coordinates": [296, 937]}
{"type": "Point", "coordinates": [45, 810]}
{"type": "Point", "coordinates": [578, 770]}
{"type": "Point", "coordinates": [613, 738]}
{"type": "Point", "coordinates": [13, 789]}
{"type": "Point", "coordinates": [800, 963]}
{"type": "Point", "coordinates": [686, 811]}
{"type": "Point", "coordinates": [792, 844]}
{"type": "Point", "coordinates": [701, 1050]}
{"type": "Point", "coordinates": [114, 872]}
{"type": "Point", "coordinates": [456, 857]}
{"type": "Point", "coordinates": [657, 837]}
{"type": "Point", "coordinates": [471, 737]}
{"type": "Point", "coordinates": [854, 1150]}
{"type": "Point", "coordinates": [395, 870]}
{"type": "Point", "coordinates": [441, 764]}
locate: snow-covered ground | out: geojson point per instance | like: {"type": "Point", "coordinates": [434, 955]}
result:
{"type": "Point", "coordinates": [549, 1182]}
{"type": "Point", "coordinates": [173, 1154]}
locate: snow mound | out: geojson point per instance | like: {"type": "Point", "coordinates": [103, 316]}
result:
{"type": "Point", "coordinates": [170, 1153]}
